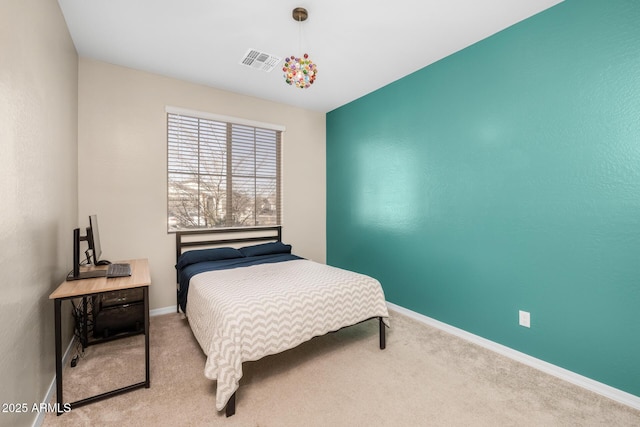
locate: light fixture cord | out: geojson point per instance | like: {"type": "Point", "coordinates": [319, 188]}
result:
{"type": "Point", "coordinates": [299, 35]}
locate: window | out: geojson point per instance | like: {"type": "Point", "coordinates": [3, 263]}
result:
{"type": "Point", "coordinates": [222, 173]}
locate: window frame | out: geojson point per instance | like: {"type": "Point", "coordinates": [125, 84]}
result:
{"type": "Point", "coordinates": [229, 193]}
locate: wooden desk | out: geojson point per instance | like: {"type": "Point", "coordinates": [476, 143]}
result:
{"type": "Point", "coordinates": [140, 278]}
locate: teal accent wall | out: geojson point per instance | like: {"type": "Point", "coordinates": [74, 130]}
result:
{"type": "Point", "coordinates": [506, 177]}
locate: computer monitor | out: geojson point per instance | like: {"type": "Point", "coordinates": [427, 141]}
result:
{"type": "Point", "coordinates": [94, 251]}
{"type": "Point", "coordinates": [93, 236]}
{"type": "Point", "coordinates": [76, 274]}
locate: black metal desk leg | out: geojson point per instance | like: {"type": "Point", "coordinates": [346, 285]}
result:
{"type": "Point", "coordinates": [85, 322]}
{"type": "Point", "coordinates": [145, 293]}
{"type": "Point", "coordinates": [58, 327]}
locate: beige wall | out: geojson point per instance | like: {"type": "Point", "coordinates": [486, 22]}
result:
{"type": "Point", "coordinates": [123, 164]}
{"type": "Point", "coordinates": [38, 192]}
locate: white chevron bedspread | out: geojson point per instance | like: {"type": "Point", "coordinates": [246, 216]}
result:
{"type": "Point", "coordinates": [244, 314]}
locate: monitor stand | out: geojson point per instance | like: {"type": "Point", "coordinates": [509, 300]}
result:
{"type": "Point", "coordinates": [76, 274]}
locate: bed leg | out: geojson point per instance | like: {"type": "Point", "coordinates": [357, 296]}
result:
{"type": "Point", "coordinates": [230, 409]}
{"type": "Point", "coordinates": [383, 343]}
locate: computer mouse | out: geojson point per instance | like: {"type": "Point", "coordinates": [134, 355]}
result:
{"type": "Point", "coordinates": [103, 262]}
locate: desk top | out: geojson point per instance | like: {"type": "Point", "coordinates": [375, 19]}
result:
{"type": "Point", "coordinates": [139, 277]}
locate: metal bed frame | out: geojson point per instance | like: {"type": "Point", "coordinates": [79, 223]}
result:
{"type": "Point", "coordinates": [186, 240]}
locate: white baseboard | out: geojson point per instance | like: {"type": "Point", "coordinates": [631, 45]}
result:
{"type": "Point", "coordinates": [161, 311]}
{"type": "Point", "coordinates": [546, 367]}
{"type": "Point", "coordinates": [52, 387]}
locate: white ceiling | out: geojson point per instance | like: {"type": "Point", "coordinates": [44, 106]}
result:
{"type": "Point", "coordinates": [357, 45]}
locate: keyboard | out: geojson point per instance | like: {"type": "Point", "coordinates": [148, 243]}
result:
{"type": "Point", "coordinates": [118, 270]}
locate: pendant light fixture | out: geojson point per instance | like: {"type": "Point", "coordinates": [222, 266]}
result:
{"type": "Point", "coordinates": [300, 72]}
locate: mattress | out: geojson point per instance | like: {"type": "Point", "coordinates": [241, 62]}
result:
{"type": "Point", "coordinates": [243, 314]}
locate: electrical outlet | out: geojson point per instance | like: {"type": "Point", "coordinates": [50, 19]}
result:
{"type": "Point", "coordinates": [524, 318]}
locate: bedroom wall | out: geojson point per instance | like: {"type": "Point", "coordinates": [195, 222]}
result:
{"type": "Point", "coordinates": [38, 193]}
{"type": "Point", "coordinates": [123, 164]}
{"type": "Point", "coordinates": [506, 177]}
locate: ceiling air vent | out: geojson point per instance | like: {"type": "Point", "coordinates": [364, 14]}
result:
{"type": "Point", "coordinates": [260, 60]}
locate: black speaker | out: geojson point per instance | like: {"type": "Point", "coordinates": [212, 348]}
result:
{"type": "Point", "coordinates": [117, 312]}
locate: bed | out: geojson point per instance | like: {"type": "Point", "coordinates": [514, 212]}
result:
{"type": "Point", "coordinates": [246, 296]}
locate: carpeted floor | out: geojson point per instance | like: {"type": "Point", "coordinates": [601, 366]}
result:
{"type": "Point", "coordinates": [425, 377]}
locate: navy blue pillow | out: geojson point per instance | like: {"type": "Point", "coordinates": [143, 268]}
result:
{"type": "Point", "coordinates": [266, 249]}
{"type": "Point", "coordinates": [201, 255]}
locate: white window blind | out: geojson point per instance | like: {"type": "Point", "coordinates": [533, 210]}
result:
{"type": "Point", "coordinates": [221, 174]}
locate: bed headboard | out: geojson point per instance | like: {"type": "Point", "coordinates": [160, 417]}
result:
{"type": "Point", "coordinates": [200, 239]}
